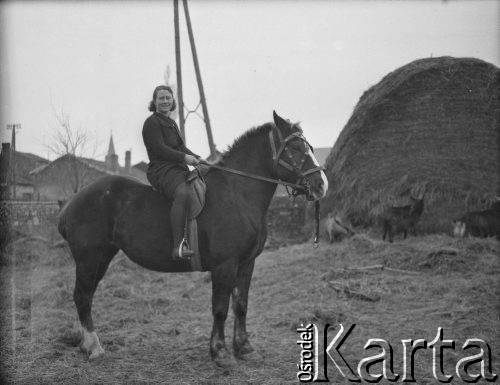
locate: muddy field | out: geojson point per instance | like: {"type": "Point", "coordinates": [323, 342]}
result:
{"type": "Point", "coordinates": [155, 327]}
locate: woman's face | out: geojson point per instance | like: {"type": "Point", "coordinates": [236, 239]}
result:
{"type": "Point", "coordinates": [164, 101]}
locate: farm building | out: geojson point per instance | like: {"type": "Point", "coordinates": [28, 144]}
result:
{"type": "Point", "coordinates": [24, 187]}
{"type": "Point", "coordinates": [68, 174]}
{"type": "Point", "coordinates": [433, 122]}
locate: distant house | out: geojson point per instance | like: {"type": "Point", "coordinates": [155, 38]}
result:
{"type": "Point", "coordinates": [20, 187]}
{"type": "Point", "coordinates": [143, 166]}
{"type": "Point", "coordinates": [68, 174]}
{"type": "Point", "coordinates": [320, 153]}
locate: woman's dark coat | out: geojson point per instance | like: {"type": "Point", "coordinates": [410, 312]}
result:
{"type": "Point", "coordinates": [166, 150]}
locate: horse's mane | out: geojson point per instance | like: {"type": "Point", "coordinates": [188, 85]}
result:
{"type": "Point", "coordinates": [249, 134]}
{"type": "Point", "coordinates": [240, 141]}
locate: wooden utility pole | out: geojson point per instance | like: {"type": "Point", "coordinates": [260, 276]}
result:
{"type": "Point", "coordinates": [178, 68]}
{"type": "Point", "coordinates": [12, 162]}
{"type": "Point", "coordinates": [180, 101]}
{"type": "Point", "coordinates": [198, 79]}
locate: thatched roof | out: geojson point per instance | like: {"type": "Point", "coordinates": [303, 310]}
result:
{"type": "Point", "coordinates": [96, 165]}
{"type": "Point", "coordinates": [433, 122]}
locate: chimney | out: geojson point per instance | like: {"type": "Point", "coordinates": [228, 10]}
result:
{"type": "Point", "coordinates": [127, 161]}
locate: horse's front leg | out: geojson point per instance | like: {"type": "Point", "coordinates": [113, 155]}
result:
{"type": "Point", "coordinates": [223, 280]}
{"type": "Point", "coordinates": [241, 345]}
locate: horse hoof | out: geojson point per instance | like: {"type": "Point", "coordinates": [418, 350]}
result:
{"type": "Point", "coordinates": [224, 360]}
{"type": "Point", "coordinates": [96, 353]}
{"type": "Point", "coordinates": [225, 363]}
{"type": "Point", "coordinates": [252, 357]}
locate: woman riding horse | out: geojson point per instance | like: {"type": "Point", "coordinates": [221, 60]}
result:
{"type": "Point", "coordinates": [168, 160]}
{"type": "Point", "coordinates": [119, 213]}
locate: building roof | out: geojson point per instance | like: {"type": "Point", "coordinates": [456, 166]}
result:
{"type": "Point", "coordinates": [143, 166]}
{"type": "Point", "coordinates": [92, 163]}
{"type": "Point", "coordinates": [25, 162]}
{"type": "Point", "coordinates": [31, 157]}
{"type": "Point", "coordinates": [96, 165]}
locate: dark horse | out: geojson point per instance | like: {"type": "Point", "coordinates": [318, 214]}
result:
{"type": "Point", "coordinates": [116, 213]}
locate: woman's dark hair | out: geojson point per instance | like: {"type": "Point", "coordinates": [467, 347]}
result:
{"type": "Point", "coordinates": [152, 106]}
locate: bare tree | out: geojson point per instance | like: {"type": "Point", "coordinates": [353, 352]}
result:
{"type": "Point", "coordinates": [74, 143]}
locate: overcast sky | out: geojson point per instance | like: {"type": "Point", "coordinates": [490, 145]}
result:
{"type": "Point", "coordinates": [309, 60]}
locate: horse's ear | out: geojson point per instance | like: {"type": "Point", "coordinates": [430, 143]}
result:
{"type": "Point", "coordinates": [278, 120]}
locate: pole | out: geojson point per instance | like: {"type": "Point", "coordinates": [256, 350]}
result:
{"type": "Point", "coordinates": [12, 162]}
{"type": "Point", "coordinates": [198, 78]}
{"type": "Point", "coordinates": [180, 101]}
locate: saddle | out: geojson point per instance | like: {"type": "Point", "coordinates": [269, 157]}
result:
{"type": "Point", "coordinates": [197, 193]}
{"type": "Point", "coordinates": [196, 204]}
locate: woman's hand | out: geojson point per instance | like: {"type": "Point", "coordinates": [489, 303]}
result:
{"type": "Point", "coordinates": [191, 160]}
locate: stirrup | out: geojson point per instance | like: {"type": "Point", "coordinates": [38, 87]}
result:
{"type": "Point", "coordinates": [183, 251]}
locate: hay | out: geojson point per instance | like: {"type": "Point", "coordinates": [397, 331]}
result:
{"type": "Point", "coordinates": [433, 122]}
{"type": "Point", "coordinates": [158, 335]}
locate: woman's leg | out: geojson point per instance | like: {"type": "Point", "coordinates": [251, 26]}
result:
{"type": "Point", "coordinates": [178, 219]}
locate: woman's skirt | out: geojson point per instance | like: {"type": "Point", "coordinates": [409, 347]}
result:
{"type": "Point", "coordinates": [166, 180]}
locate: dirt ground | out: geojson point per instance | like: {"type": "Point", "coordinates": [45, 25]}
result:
{"type": "Point", "coordinates": [155, 327]}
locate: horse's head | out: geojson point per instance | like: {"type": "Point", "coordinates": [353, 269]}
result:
{"type": "Point", "coordinates": [293, 159]}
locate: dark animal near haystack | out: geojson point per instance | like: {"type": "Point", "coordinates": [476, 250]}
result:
{"type": "Point", "coordinates": [120, 213]}
{"type": "Point", "coordinates": [336, 229]}
{"type": "Point", "coordinates": [480, 224]}
{"type": "Point", "coordinates": [402, 219]}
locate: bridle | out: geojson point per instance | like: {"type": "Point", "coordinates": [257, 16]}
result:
{"type": "Point", "coordinates": [302, 185]}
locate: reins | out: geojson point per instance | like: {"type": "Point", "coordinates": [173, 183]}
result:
{"type": "Point", "coordinates": [254, 176]}
{"type": "Point", "coordinates": [276, 153]}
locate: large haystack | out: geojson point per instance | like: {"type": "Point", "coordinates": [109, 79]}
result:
{"type": "Point", "coordinates": [433, 122]}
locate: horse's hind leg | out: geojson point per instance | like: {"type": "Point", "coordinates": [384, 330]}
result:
{"type": "Point", "coordinates": [91, 266]}
{"type": "Point", "coordinates": [223, 279]}
{"type": "Point", "coordinates": [241, 346]}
